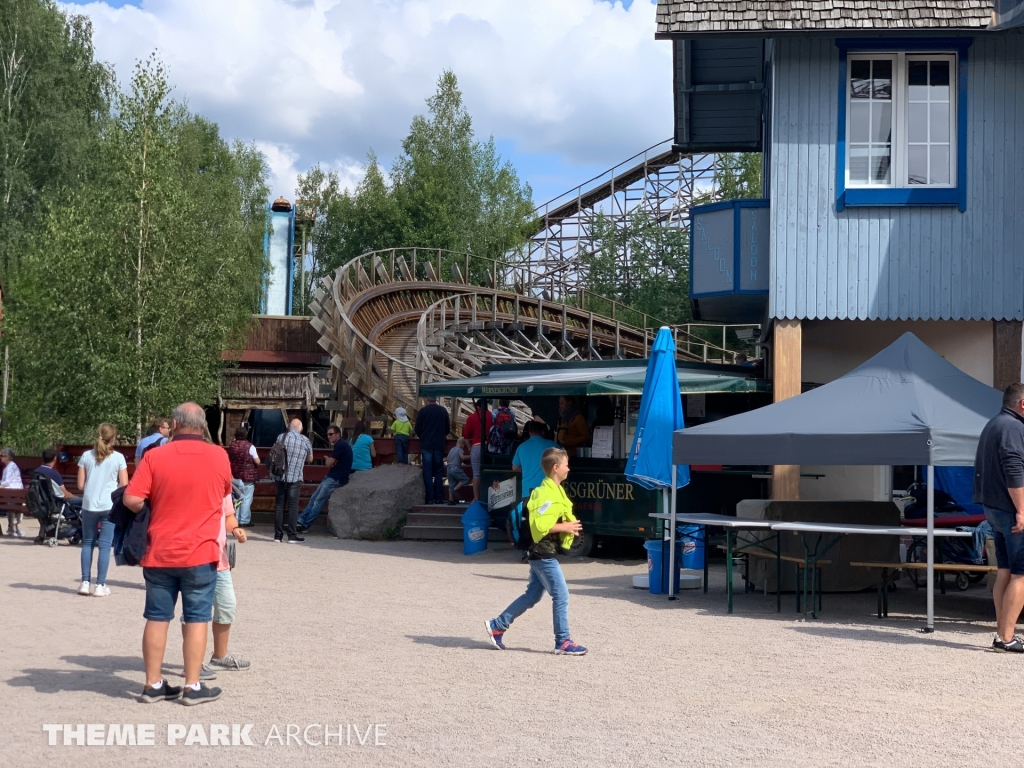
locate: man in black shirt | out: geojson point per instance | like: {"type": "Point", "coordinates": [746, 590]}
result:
{"type": "Point", "coordinates": [432, 427]}
{"type": "Point", "coordinates": [999, 486]}
{"type": "Point", "coordinates": [339, 464]}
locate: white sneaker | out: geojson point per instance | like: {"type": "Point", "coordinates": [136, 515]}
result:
{"type": "Point", "coordinates": [84, 589]}
{"type": "Point", "coordinates": [102, 590]}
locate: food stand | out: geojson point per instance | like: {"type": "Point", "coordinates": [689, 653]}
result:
{"type": "Point", "coordinates": [608, 392]}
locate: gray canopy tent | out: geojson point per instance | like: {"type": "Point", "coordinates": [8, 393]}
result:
{"type": "Point", "coordinates": [906, 405]}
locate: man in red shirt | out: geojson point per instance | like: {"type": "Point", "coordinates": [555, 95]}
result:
{"type": "Point", "coordinates": [185, 483]}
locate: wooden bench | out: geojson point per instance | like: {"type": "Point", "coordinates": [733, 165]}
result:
{"type": "Point", "coordinates": [891, 572]}
{"type": "Point", "coordinates": [792, 559]}
{"type": "Point", "coordinates": [12, 500]}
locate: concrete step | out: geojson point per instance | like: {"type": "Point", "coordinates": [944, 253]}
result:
{"type": "Point", "coordinates": [457, 509]}
{"type": "Point", "coordinates": [445, 533]}
{"type": "Point", "coordinates": [444, 519]}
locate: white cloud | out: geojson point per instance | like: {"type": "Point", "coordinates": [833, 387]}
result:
{"type": "Point", "coordinates": [326, 80]}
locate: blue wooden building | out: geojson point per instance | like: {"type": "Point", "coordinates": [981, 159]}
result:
{"type": "Point", "coordinates": [893, 141]}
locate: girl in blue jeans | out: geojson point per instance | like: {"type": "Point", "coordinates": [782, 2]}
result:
{"type": "Point", "coordinates": [101, 471]}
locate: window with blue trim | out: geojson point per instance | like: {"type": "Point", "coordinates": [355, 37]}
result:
{"type": "Point", "coordinates": [902, 124]}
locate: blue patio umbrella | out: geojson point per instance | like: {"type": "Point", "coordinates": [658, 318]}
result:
{"type": "Point", "coordinates": [661, 414]}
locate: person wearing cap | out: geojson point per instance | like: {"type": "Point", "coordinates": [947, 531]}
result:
{"type": "Point", "coordinates": [401, 428]}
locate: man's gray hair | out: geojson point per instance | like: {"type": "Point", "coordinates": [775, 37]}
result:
{"type": "Point", "coordinates": [1013, 395]}
{"type": "Point", "coordinates": [8, 452]}
{"type": "Point", "coordinates": [190, 416]}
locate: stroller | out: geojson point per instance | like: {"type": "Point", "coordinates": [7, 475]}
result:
{"type": "Point", "coordinates": [952, 508]}
{"type": "Point", "coordinates": [57, 519]}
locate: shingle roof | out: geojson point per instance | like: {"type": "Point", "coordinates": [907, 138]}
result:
{"type": "Point", "coordinates": [689, 16]}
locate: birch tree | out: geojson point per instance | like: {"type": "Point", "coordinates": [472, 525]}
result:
{"type": "Point", "coordinates": [142, 277]}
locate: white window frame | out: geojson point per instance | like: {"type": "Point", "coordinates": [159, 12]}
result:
{"type": "Point", "coordinates": [899, 171]}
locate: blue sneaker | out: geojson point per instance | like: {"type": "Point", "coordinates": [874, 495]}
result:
{"type": "Point", "coordinates": [495, 635]}
{"type": "Point", "coordinates": [569, 648]}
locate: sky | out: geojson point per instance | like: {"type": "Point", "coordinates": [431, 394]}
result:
{"type": "Point", "coordinates": [567, 88]}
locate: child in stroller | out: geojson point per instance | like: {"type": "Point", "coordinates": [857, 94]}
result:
{"type": "Point", "coordinates": [57, 519]}
{"type": "Point", "coordinates": [953, 506]}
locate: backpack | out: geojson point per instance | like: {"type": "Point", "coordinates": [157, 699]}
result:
{"type": "Point", "coordinates": [503, 431]}
{"type": "Point", "coordinates": [131, 531]}
{"type": "Point", "coordinates": [519, 523]}
{"type": "Point", "coordinates": [39, 497]}
{"type": "Point", "coordinates": [277, 459]}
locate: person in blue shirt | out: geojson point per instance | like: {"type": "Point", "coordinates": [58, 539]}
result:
{"type": "Point", "coordinates": [527, 457]}
{"type": "Point", "coordinates": [159, 431]}
{"type": "Point", "coordinates": [363, 451]}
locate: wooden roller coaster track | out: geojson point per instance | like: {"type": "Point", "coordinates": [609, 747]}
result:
{"type": "Point", "coordinates": [389, 322]}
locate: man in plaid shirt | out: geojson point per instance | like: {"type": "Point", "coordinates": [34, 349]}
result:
{"type": "Point", "coordinates": [299, 451]}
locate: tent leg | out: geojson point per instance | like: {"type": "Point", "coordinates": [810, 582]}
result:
{"type": "Point", "coordinates": [930, 626]}
{"type": "Point", "coordinates": [672, 539]}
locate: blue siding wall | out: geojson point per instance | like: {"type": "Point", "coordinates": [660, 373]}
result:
{"type": "Point", "coordinates": [896, 263]}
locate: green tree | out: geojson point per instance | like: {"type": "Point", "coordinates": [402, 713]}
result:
{"type": "Point", "coordinates": [738, 175]}
{"type": "Point", "coordinates": [54, 99]}
{"type": "Point", "coordinates": [140, 277]}
{"type": "Point", "coordinates": [640, 263]}
{"type": "Point", "coordinates": [446, 190]}
{"type": "Point", "coordinates": [344, 225]}
{"type": "Point", "coordinates": [645, 264]}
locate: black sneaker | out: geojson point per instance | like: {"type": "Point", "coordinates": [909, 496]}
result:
{"type": "Point", "coordinates": [164, 693]}
{"type": "Point", "coordinates": [204, 695]}
{"type": "Point", "coordinates": [277, 539]}
{"type": "Point", "coordinates": [1016, 645]}
{"type": "Point", "coordinates": [301, 529]}
{"type": "Point", "coordinates": [295, 539]}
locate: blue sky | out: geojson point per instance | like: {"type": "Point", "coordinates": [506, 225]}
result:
{"type": "Point", "coordinates": [567, 88]}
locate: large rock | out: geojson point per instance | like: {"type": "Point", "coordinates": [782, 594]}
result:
{"type": "Point", "coordinates": [375, 500]}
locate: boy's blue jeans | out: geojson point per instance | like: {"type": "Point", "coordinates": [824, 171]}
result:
{"type": "Point", "coordinates": [402, 449]}
{"type": "Point", "coordinates": [545, 576]}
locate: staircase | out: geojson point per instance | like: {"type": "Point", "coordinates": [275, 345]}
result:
{"type": "Point", "coordinates": [440, 522]}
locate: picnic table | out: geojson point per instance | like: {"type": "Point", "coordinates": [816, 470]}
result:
{"type": "Point", "coordinates": [731, 525]}
{"type": "Point", "coordinates": [814, 554]}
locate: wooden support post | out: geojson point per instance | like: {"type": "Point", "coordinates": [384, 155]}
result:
{"type": "Point", "coordinates": [1006, 353]}
{"type": "Point", "coordinates": [391, 381]}
{"type": "Point", "coordinates": [786, 378]}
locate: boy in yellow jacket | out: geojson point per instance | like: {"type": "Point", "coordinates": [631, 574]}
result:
{"type": "Point", "coordinates": [552, 525]}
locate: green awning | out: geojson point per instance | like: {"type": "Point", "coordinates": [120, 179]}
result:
{"type": "Point", "coordinates": [690, 383]}
{"type": "Point", "coordinates": [547, 380]}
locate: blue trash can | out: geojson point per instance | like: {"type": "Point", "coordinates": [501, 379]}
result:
{"type": "Point", "coordinates": [657, 568]}
{"type": "Point", "coordinates": [691, 547]}
{"type": "Point", "coordinates": [475, 522]}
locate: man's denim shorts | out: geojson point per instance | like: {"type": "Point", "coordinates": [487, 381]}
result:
{"type": "Point", "coordinates": [1009, 545]}
{"type": "Point", "coordinates": [196, 585]}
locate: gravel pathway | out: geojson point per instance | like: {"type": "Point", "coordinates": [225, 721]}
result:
{"type": "Point", "coordinates": [387, 638]}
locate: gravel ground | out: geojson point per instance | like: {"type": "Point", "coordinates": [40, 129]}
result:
{"type": "Point", "coordinates": [362, 634]}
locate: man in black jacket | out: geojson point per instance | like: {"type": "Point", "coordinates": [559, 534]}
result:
{"type": "Point", "coordinates": [432, 427]}
{"type": "Point", "coordinates": [999, 486]}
